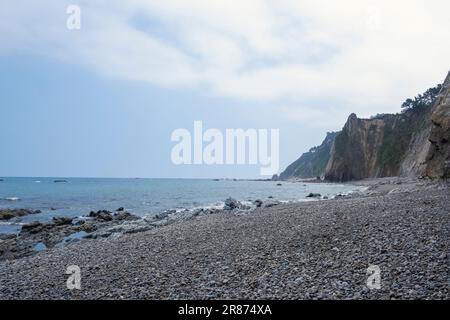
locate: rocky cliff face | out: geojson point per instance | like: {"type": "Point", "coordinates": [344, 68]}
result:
{"type": "Point", "coordinates": [356, 149]}
{"type": "Point", "coordinates": [438, 158]}
{"type": "Point", "coordinates": [412, 143]}
{"type": "Point", "coordinates": [312, 163]}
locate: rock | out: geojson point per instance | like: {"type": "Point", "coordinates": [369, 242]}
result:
{"type": "Point", "coordinates": [271, 204]}
{"type": "Point", "coordinates": [279, 184]}
{"type": "Point", "coordinates": [123, 215]}
{"type": "Point", "coordinates": [105, 216]}
{"type": "Point", "coordinates": [102, 215]}
{"type": "Point", "coordinates": [258, 203]}
{"type": "Point", "coordinates": [60, 221]}
{"type": "Point", "coordinates": [32, 227]}
{"type": "Point", "coordinates": [313, 195]}
{"type": "Point", "coordinates": [438, 158]}
{"type": "Point", "coordinates": [231, 204]}
{"type": "Point", "coordinates": [6, 214]}
{"type": "Point", "coordinates": [60, 181]}
{"type": "Point", "coordinates": [164, 214]}
{"type": "Point", "coordinates": [88, 227]}
{"type": "Point", "coordinates": [120, 209]}
{"type": "Point", "coordinates": [7, 236]}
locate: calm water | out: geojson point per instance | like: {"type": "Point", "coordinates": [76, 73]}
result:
{"type": "Point", "coordinates": [140, 196]}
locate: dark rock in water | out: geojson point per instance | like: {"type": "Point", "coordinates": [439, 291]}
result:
{"type": "Point", "coordinates": [270, 197]}
{"type": "Point", "coordinates": [120, 209]}
{"type": "Point", "coordinates": [258, 203]}
{"type": "Point", "coordinates": [60, 181]}
{"type": "Point", "coordinates": [105, 216]}
{"type": "Point", "coordinates": [279, 184]}
{"type": "Point", "coordinates": [6, 214]}
{"type": "Point", "coordinates": [32, 227]}
{"type": "Point", "coordinates": [60, 221]}
{"type": "Point", "coordinates": [313, 195]}
{"type": "Point", "coordinates": [123, 215]}
{"type": "Point", "coordinates": [231, 204]}
{"type": "Point", "coordinates": [102, 215]}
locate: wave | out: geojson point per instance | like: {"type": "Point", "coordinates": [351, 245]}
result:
{"type": "Point", "coordinates": [12, 199]}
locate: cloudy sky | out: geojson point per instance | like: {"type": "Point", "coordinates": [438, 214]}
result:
{"type": "Point", "coordinates": [103, 100]}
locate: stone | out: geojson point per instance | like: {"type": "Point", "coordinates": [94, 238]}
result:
{"type": "Point", "coordinates": [231, 204]}
{"type": "Point", "coordinates": [313, 195]}
{"type": "Point", "coordinates": [59, 221]}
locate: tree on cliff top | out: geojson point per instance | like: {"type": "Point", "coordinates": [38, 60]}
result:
{"type": "Point", "coordinates": [422, 101]}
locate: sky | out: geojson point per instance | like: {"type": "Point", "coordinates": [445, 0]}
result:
{"type": "Point", "coordinates": [103, 100]}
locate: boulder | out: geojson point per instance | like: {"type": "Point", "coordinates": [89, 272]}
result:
{"type": "Point", "coordinates": [231, 204]}
{"type": "Point", "coordinates": [60, 221]}
{"type": "Point", "coordinates": [258, 203]}
{"type": "Point", "coordinates": [313, 195]}
{"type": "Point", "coordinates": [102, 215]}
{"type": "Point", "coordinates": [32, 227]}
{"type": "Point", "coordinates": [6, 214]}
{"type": "Point", "coordinates": [124, 215]}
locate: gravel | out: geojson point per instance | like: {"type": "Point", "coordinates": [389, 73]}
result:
{"type": "Point", "coordinates": [314, 250]}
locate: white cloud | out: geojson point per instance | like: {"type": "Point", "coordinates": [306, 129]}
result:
{"type": "Point", "coordinates": [367, 55]}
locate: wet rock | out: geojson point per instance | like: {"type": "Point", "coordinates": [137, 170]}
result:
{"type": "Point", "coordinates": [6, 214]}
{"type": "Point", "coordinates": [123, 215]}
{"type": "Point", "coordinates": [32, 227]}
{"type": "Point", "coordinates": [102, 215]}
{"type": "Point", "coordinates": [59, 221]}
{"type": "Point", "coordinates": [258, 203]}
{"type": "Point", "coordinates": [231, 204]}
{"type": "Point", "coordinates": [313, 195]}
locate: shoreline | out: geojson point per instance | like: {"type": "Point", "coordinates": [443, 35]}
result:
{"type": "Point", "coordinates": [287, 251]}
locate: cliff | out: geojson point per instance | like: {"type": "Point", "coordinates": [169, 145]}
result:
{"type": "Point", "coordinates": [414, 142]}
{"type": "Point", "coordinates": [438, 158]}
{"type": "Point", "coordinates": [312, 163]}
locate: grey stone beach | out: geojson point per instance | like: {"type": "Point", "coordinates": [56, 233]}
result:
{"type": "Point", "coordinates": [312, 250]}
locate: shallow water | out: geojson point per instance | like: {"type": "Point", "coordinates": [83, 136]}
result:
{"type": "Point", "coordinates": [79, 196]}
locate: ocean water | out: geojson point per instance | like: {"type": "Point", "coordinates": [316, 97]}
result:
{"type": "Point", "coordinates": [79, 196]}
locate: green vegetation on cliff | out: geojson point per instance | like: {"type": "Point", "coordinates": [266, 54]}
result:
{"type": "Point", "coordinates": [375, 147]}
{"type": "Point", "coordinates": [312, 163]}
{"type": "Point", "coordinates": [413, 119]}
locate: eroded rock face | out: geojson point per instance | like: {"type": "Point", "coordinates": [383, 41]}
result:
{"type": "Point", "coordinates": [412, 143]}
{"type": "Point", "coordinates": [355, 152]}
{"type": "Point", "coordinates": [438, 161]}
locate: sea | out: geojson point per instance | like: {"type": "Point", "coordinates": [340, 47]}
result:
{"type": "Point", "coordinates": [78, 196]}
